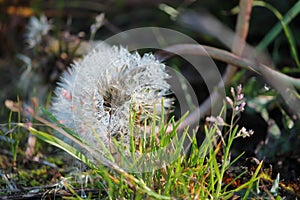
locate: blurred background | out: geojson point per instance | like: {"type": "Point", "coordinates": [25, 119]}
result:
{"type": "Point", "coordinates": [31, 66]}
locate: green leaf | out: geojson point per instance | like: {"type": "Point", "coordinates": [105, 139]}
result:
{"type": "Point", "coordinates": [285, 28]}
{"type": "Point", "coordinates": [53, 119]}
{"type": "Point", "coordinates": [253, 179]}
{"type": "Point", "coordinates": [62, 145]}
{"type": "Point", "coordinates": [273, 33]}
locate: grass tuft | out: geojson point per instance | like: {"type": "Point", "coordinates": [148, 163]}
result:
{"type": "Point", "coordinates": [155, 165]}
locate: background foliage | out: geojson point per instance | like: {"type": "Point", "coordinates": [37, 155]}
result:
{"type": "Point", "coordinates": [276, 139]}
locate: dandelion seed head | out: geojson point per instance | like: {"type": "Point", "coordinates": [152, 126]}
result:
{"type": "Point", "coordinates": [103, 87]}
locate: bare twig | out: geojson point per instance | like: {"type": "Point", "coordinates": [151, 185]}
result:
{"type": "Point", "coordinates": [237, 48]}
{"type": "Point", "coordinates": [283, 83]}
{"type": "Point", "coordinates": [230, 58]}
{"type": "Point", "coordinates": [204, 22]}
{"type": "Point", "coordinates": [241, 35]}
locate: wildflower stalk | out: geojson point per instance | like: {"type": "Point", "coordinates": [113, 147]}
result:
{"type": "Point", "coordinates": [242, 27]}
{"type": "Point", "coordinates": [226, 155]}
{"type": "Point", "coordinates": [237, 105]}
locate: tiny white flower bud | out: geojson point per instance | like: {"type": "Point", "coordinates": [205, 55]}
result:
{"type": "Point", "coordinates": [210, 119]}
{"type": "Point", "coordinates": [220, 121]}
{"type": "Point", "coordinates": [229, 101]}
{"type": "Point", "coordinates": [232, 91]}
{"type": "Point", "coordinates": [237, 109]}
{"type": "Point", "coordinates": [242, 106]}
{"type": "Point", "coordinates": [240, 97]}
{"type": "Point", "coordinates": [239, 89]}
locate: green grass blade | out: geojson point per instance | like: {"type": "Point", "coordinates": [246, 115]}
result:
{"type": "Point", "coordinates": [273, 33]}
{"type": "Point", "coordinates": [285, 28]}
{"type": "Point", "coordinates": [54, 120]}
{"type": "Point", "coordinates": [60, 144]}
{"type": "Point", "coordinates": [252, 180]}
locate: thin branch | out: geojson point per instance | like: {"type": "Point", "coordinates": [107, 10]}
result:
{"type": "Point", "coordinates": [282, 82]}
{"type": "Point", "coordinates": [230, 58]}
{"type": "Point", "coordinates": [242, 28]}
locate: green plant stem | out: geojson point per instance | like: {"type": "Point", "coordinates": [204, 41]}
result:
{"type": "Point", "coordinates": [231, 136]}
{"type": "Point", "coordinates": [238, 46]}
{"type": "Point", "coordinates": [273, 33]}
{"type": "Point", "coordinates": [252, 180]}
{"type": "Point", "coordinates": [11, 137]}
{"type": "Point", "coordinates": [285, 28]}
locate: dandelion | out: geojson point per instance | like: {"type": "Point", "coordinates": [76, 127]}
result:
{"type": "Point", "coordinates": [97, 94]}
{"type": "Point", "coordinates": [36, 29]}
